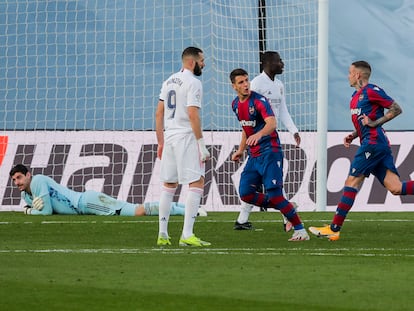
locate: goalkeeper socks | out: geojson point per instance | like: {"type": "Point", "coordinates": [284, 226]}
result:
{"type": "Point", "coordinates": [177, 209]}
{"type": "Point", "coordinates": [152, 208]}
{"type": "Point", "coordinates": [167, 195]}
{"type": "Point", "coordinates": [407, 187]}
{"type": "Point", "coordinates": [192, 204]}
{"type": "Point", "coordinates": [246, 208]}
{"type": "Point", "coordinates": [344, 206]}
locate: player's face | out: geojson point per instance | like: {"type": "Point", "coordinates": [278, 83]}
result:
{"type": "Point", "coordinates": [276, 65]}
{"type": "Point", "coordinates": [22, 181]}
{"type": "Point", "coordinates": [353, 76]}
{"type": "Point", "coordinates": [242, 86]}
{"type": "Point", "coordinates": [199, 65]}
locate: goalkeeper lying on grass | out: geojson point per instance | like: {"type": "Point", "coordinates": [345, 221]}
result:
{"type": "Point", "coordinates": [44, 196]}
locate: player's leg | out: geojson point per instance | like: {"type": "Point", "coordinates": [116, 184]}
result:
{"type": "Point", "coordinates": [166, 198]}
{"type": "Point", "coordinates": [350, 191]}
{"type": "Point", "coordinates": [242, 222]}
{"type": "Point", "coordinates": [250, 180]}
{"type": "Point", "coordinates": [360, 168]}
{"type": "Point", "coordinates": [96, 203]}
{"type": "Point", "coordinates": [191, 172]}
{"type": "Point", "coordinates": [169, 176]}
{"type": "Point", "coordinates": [278, 201]}
{"type": "Point", "coordinates": [389, 177]}
{"type": "Point", "coordinates": [272, 175]}
{"type": "Point", "coordinates": [152, 209]}
{"type": "Point", "coordinates": [287, 225]}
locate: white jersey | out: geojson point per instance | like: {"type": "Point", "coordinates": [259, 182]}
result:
{"type": "Point", "coordinates": [179, 91]}
{"type": "Point", "coordinates": [274, 91]}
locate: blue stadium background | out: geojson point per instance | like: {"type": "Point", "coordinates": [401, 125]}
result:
{"type": "Point", "coordinates": [77, 61]}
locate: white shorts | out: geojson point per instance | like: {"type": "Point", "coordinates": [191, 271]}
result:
{"type": "Point", "coordinates": [180, 161]}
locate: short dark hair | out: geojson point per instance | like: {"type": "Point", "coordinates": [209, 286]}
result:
{"type": "Point", "coordinates": [364, 66]}
{"type": "Point", "coordinates": [237, 72]}
{"type": "Point", "coordinates": [191, 51]}
{"type": "Point", "coordinates": [19, 168]}
{"type": "Point", "coordinates": [268, 56]}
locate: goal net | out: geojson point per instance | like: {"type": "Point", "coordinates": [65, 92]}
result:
{"type": "Point", "coordinates": [79, 83]}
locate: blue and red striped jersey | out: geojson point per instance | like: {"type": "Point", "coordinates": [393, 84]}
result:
{"type": "Point", "coordinates": [371, 101]}
{"type": "Point", "coordinates": [251, 114]}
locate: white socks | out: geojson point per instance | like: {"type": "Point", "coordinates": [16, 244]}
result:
{"type": "Point", "coordinates": [167, 195]}
{"type": "Point", "coordinates": [192, 204]}
{"type": "Point", "coordinates": [246, 208]}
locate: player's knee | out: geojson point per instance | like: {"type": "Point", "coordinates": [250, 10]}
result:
{"type": "Point", "coordinates": [248, 198]}
{"type": "Point", "coordinates": [246, 191]}
{"type": "Point", "coordinates": [276, 198]}
{"type": "Point", "coordinates": [395, 190]}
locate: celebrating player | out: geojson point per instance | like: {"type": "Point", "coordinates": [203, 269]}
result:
{"type": "Point", "coordinates": [181, 146]}
{"type": "Point", "coordinates": [44, 196]}
{"type": "Point", "coordinates": [265, 161]}
{"type": "Point", "coordinates": [374, 154]}
{"type": "Point", "coordinates": [272, 88]}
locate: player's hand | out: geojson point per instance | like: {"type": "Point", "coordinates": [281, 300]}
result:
{"type": "Point", "coordinates": [253, 140]}
{"type": "Point", "coordinates": [159, 151]}
{"type": "Point", "coordinates": [348, 140]}
{"type": "Point", "coordinates": [365, 120]}
{"type": "Point", "coordinates": [38, 203]}
{"type": "Point", "coordinates": [27, 210]}
{"type": "Point", "coordinates": [297, 139]}
{"type": "Point", "coordinates": [236, 156]}
{"type": "Point", "coordinates": [204, 153]}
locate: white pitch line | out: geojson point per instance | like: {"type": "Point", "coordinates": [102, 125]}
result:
{"type": "Point", "coordinates": [370, 252]}
{"type": "Point", "coordinates": [51, 222]}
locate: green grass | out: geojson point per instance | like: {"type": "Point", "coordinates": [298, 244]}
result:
{"type": "Point", "coordinates": [112, 263]}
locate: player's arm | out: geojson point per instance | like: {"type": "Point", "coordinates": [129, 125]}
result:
{"type": "Point", "coordinates": [41, 203]}
{"type": "Point", "coordinates": [349, 138]}
{"type": "Point", "coordinates": [238, 154]}
{"type": "Point", "coordinates": [159, 127]}
{"type": "Point", "coordinates": [194, 116]}
{"type": "Point", "coordinates": [393, 111]}
{"type": "Point", "coordinates": [287, 121]}
{"type": "Point", "coordinates": [269, 127]}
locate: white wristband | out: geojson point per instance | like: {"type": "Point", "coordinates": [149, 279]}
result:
{"type": "Point", "coordinates": [204, 153]}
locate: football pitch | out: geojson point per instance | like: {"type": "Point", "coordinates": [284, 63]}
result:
{"type": "Point", "coordinates": [113, 263]}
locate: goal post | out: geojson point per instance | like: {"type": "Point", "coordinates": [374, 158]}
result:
{"type": "Point", "coordinates": [79, 83]}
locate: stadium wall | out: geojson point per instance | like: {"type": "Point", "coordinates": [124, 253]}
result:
{"type": "Point", "coordinates": [129, 168]}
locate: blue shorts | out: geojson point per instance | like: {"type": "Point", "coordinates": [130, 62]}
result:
{"type": "Point", "coordinates": [266, 169]}
{"type": "Point", "coordinates": [373, 159]}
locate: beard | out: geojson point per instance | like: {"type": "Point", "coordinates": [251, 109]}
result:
{"type": "Point", "coordinates": [197, 70]}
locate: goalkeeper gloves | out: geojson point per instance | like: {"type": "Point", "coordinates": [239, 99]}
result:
{"type": "Point", "coordinates": [38, 203]}
{"type": "Point", "coordinates": [204, 153]}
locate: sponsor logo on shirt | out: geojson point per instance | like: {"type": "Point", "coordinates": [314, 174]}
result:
{"type": "Point", "coordinates": [356, 111]}
{"type": "Point", "coordinates": [248, 123]}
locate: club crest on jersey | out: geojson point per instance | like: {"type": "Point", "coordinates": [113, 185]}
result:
{"type": "Point", "coordinates": [251, 110]}
{"type": "Point", "coordinates": [361, 97]}
{"type": "Point", "coordinates": [367, 155]}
